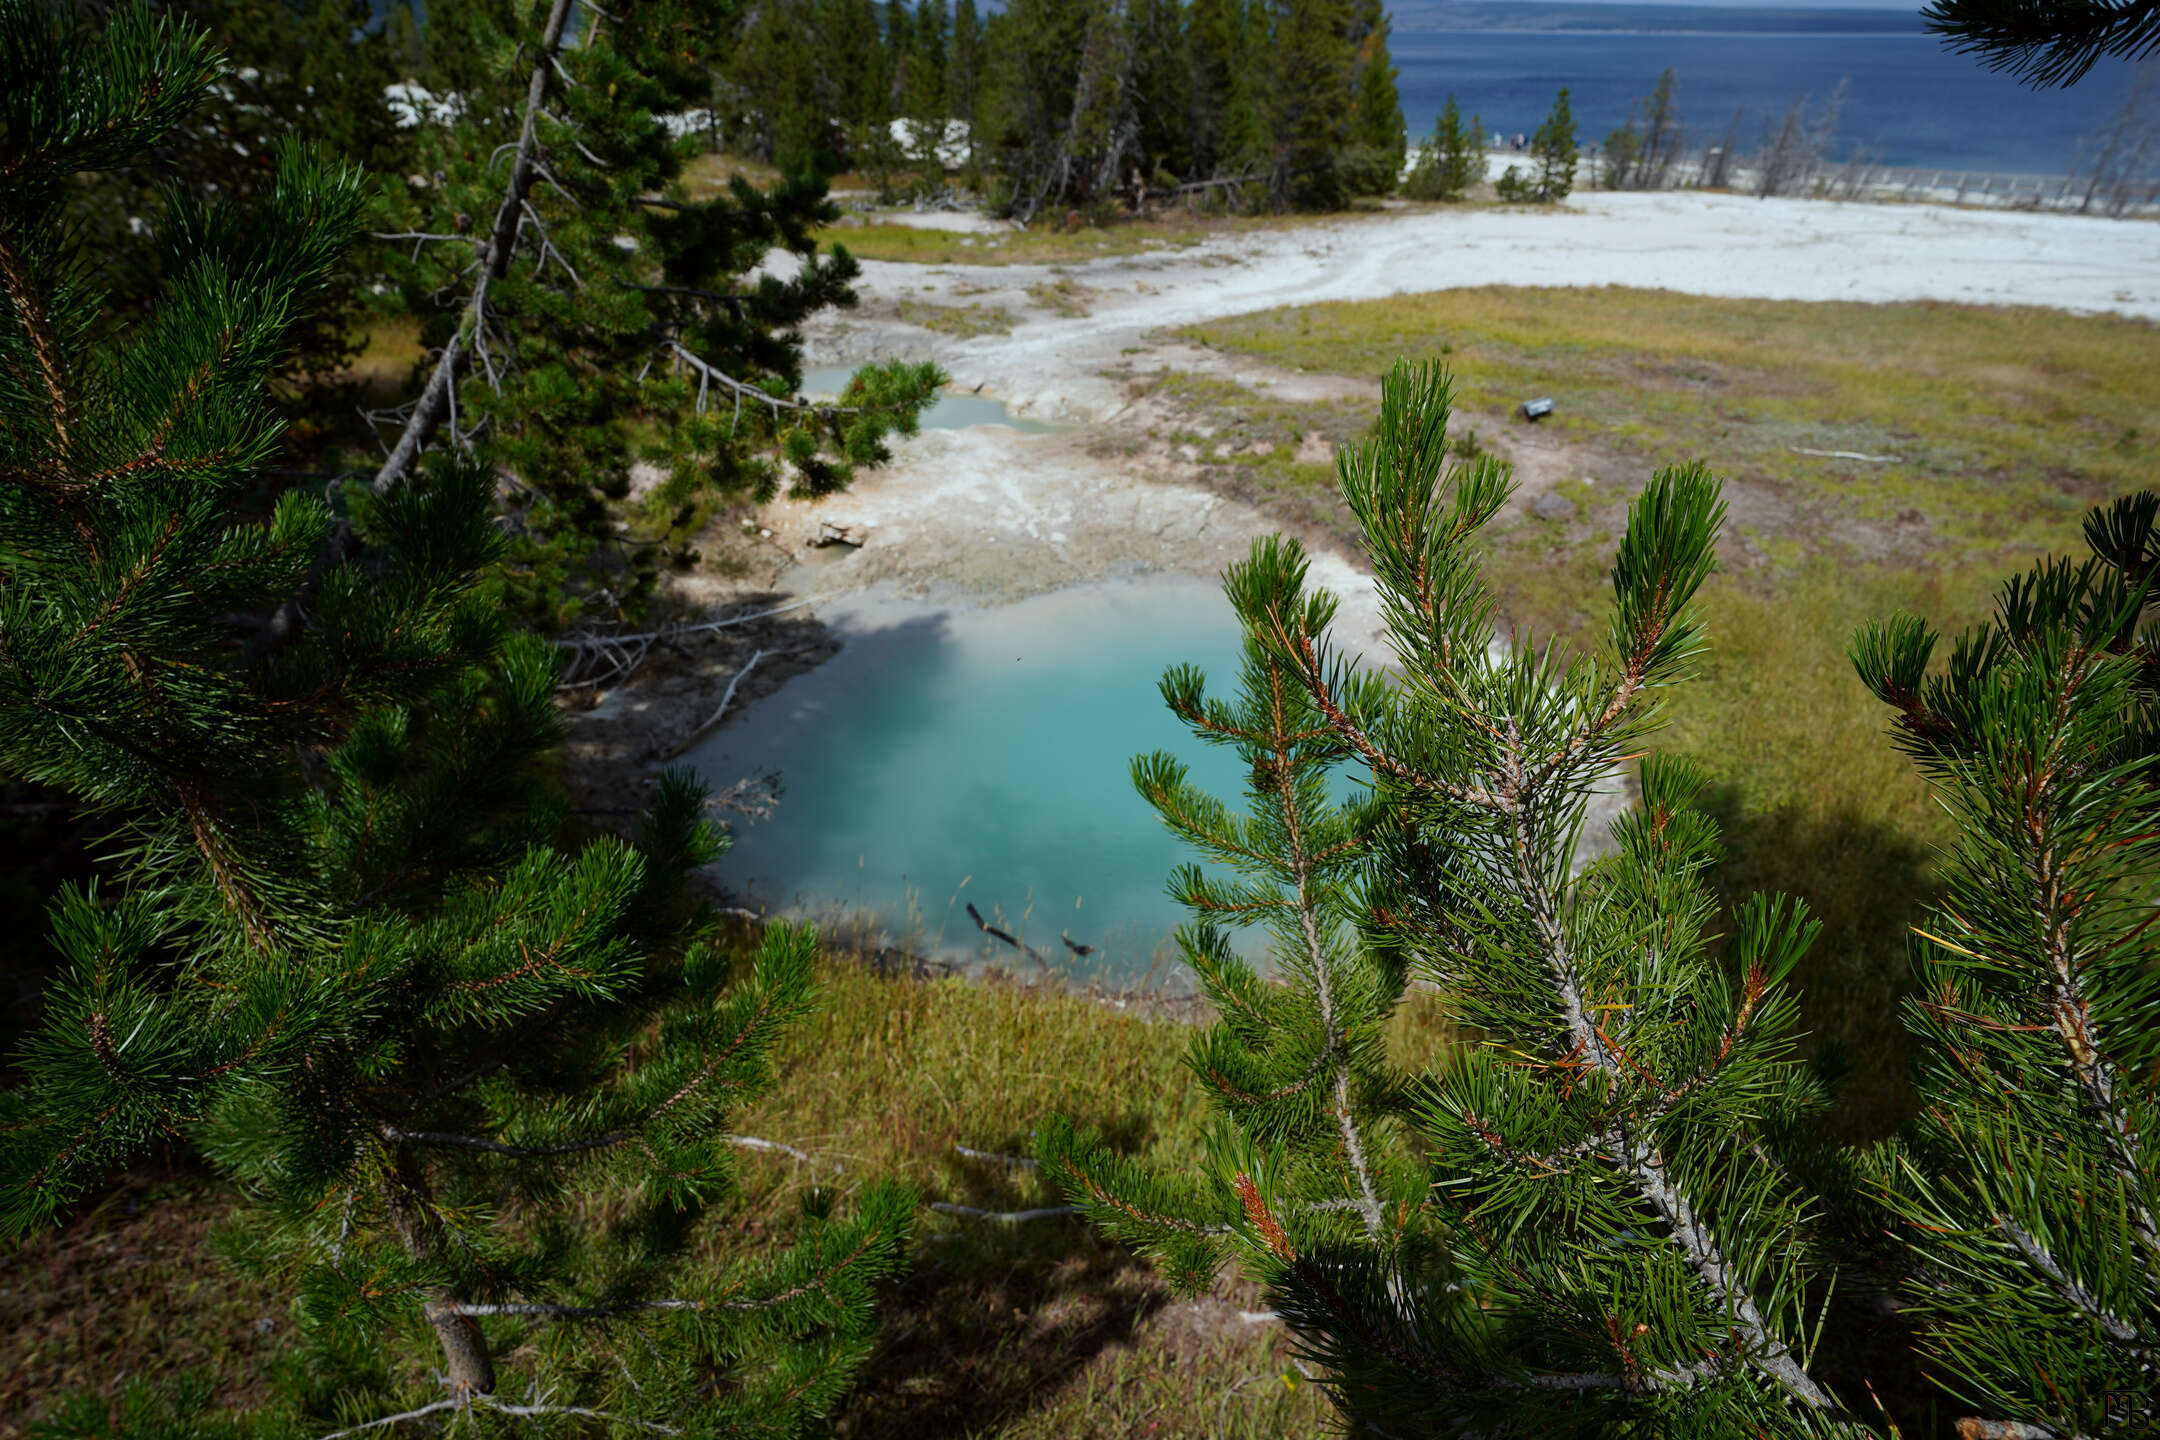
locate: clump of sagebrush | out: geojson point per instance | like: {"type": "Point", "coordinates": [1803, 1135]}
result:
{"type": "Point", "coordinates": [1584, 1221]}
{"type": "Point", "coordinates": [338, 944]}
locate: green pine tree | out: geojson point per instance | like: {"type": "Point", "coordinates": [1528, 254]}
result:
{"type": "Point", "coordinates": [854, 50]}
{"type": "Point", "coordinates": [1453, 162]}
{"type": "Point", "coordinates": [963, 77]}
{"type": "Point", "coordinates": [1162, 76]}
{"type": "Point", "coordinates": [335, 944]}
{"type": "Point", "coordinates": [1641, 153]}
{"type": "Point", "coordinates": [927, 79]}
{"type": "Point", "coordinates": [1584, 1223]}
{"type": "Point", "coordinates": [1214, 45]}
{"type": "Point", "coordinates": [1552, 154]}
{"type": "Point", "coordinates": [2026, 1188]}
{"type": "Point", "coordinates": [1311, 84]}
{"type": "Point", "coordinates": [587, 316]}
{"type": "Point", "coordinates": [781, 98]}
{"type": "Point", "coordinates": [1377, 142]}
{"type": "Point", "coordinates": [1060, 127]}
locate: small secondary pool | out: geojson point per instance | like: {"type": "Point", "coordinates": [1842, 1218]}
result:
{"type": "Point", "coordinates": [949, 757]}
{"type": "Point", "coordinates": [953, 410]}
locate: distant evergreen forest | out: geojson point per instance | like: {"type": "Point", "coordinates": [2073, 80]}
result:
{"type": "Point", "coordinates": [1074, 104]}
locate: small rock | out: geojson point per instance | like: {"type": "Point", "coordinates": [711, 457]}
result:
{"type": "Point", "coordinates": [1552, 505]}
{"type": "Point", "coordinates": [645, 477]}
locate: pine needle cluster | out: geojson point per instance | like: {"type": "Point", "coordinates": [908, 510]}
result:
{"type": "Point", "coordinates": [2025, 1192]}
{"type": "Point", "coordinates": [475, 1075]}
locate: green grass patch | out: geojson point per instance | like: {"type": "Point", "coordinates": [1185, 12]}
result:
{"type": "Point", "coordinates": [964, 321]}
{"type": "Point", "coordinates": [2007, 423]}
{"type": "Point", "coordinates": [1062, 296]}
{"type": "Point", "coordinates": [709, 176]}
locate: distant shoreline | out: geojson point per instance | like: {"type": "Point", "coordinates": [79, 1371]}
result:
{"type": "Point", "coordinates": [1546, 16]}
{"type": "Point", "coordinates": [1400, 31]}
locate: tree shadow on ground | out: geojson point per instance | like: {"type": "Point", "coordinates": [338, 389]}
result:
{"type": "Point", "coordinates": [985, 1328]}
{"type": "Point", "coordinates": [993, 1319]}
{"type": "Point", "coordinates": [1868, 884]}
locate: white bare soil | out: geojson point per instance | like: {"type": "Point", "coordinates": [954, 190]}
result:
{"type": "Point", "coordinates": [989, 513]}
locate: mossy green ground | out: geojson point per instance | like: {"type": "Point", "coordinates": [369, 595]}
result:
{"type": "Point", "coordinates": [2007, 423]}
{"type": "Point", "coordinates": [964, 322]}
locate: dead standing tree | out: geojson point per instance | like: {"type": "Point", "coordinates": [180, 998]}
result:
{"type": "Point", "coordinates": [1794, 151]}
{"type": "Point", "coordinates": [2121, 172]}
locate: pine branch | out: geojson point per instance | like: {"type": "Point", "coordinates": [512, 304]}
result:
{"type": "Point", "coordinates": [709, 374]}
{"type": "Point", "coordinates": [1636, 1157]}
{"type": "Point", "coordinates": [2055, 912]}
{"type": "Point", "coordinates": [2073, 1294]}
{"type": "Point", "coordinates": [727, 698]}
{"type": "Point", "coordinates": [438, 399]}
{"type": "Point", "coordinates": [488, 1402]}
{"type": "Point", "coordinates": [29, 308]}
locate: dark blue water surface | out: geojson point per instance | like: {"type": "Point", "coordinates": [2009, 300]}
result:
{"type": "Point", "coordinates": [1910, 102]}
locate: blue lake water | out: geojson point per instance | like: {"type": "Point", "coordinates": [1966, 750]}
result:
{"type": "Point", "coordinates": [1910, 102]}
{"type": "Point", "coordinates": [952, 756]}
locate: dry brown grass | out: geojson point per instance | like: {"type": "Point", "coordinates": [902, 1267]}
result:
{"type": "Point", "coordinates": [131, 1287]}
{"type": "Point", "coordinates": [1034, 1330]}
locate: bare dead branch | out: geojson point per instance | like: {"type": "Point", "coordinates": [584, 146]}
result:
{"type": "Point", "coordinates": [1004, 1217]}
{"type": "Point", "coordinates": [438, 398]}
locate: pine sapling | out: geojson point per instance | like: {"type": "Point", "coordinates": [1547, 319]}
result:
{"type": "Point", "coordinates": [1582, 1222]}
